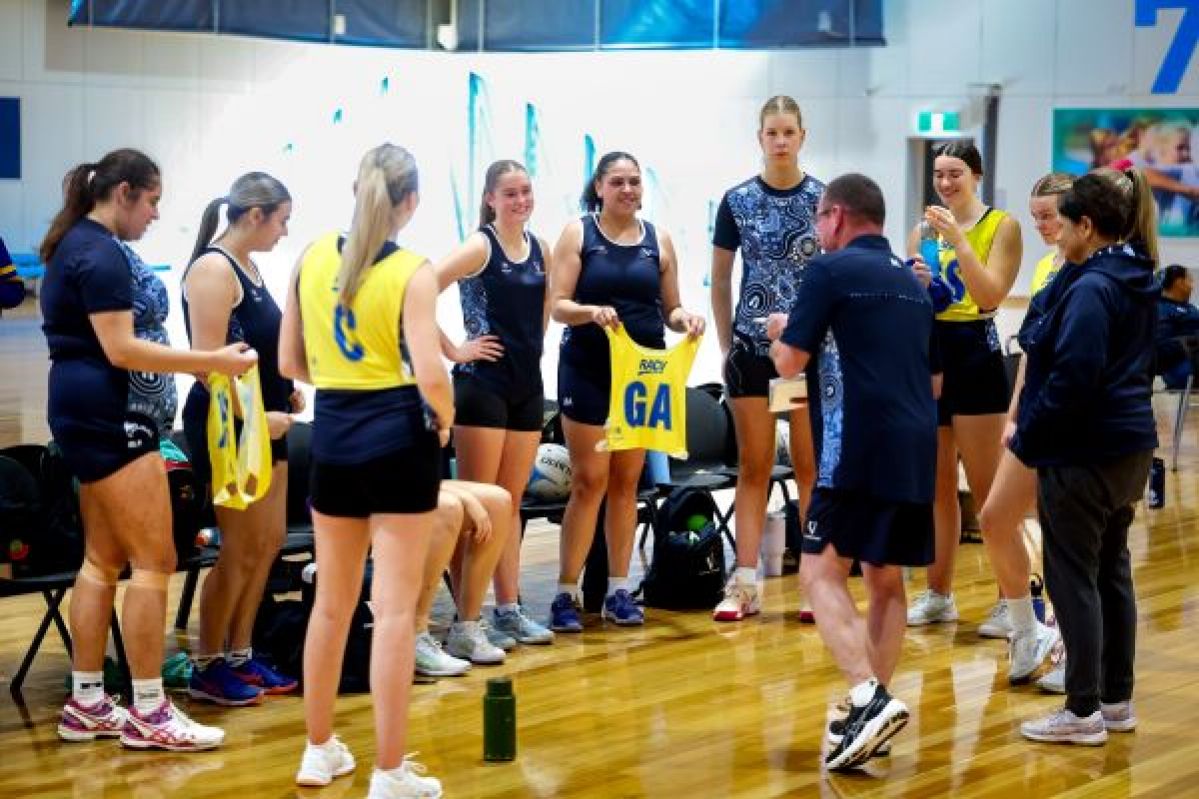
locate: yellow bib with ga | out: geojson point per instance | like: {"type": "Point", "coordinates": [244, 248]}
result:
{"type": "Point", "coordinates": [241, 466]}
{"type": "Point", "coordinates": [647, 406]}
{"type": "Point", "coordinates": [1044, 272]}
{"type": "Point", "coordinates": [357, 348]}
{"type": "Point", "coordinates": [981, 237]}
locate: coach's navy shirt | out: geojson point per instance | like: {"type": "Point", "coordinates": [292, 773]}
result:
{"type": "Point", "coordinates": [867, 322]}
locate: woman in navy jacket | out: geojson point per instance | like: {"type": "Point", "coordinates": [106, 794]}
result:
{"type": "Point", "coordinates": [1086, 424]}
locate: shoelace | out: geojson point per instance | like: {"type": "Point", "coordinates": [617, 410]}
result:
{"type": "Point", "coordinates": [413, 766]}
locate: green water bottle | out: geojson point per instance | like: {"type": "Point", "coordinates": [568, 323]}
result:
{"type": "Point", "coordinates": [499, 720]}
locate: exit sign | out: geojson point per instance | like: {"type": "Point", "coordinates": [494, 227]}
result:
{"type": "Point", "coordinates": [935, 123]}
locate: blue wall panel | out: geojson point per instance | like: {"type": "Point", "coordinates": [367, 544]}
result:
{"type": "Point", "coordinates": [10, 137]}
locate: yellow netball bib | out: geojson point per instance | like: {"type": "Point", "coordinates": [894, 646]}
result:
{"type": "Point", "coordinates": [647, 407]}
{"type": "Point", "coordinates": [1045, 272]}
{"type": "Point", "coordinates": [980, 238]}
{"type": "Point", "coordinates": [241, 467]}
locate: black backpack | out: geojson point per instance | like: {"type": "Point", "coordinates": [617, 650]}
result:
{"type": "Point", "coordinates": [280, 628]}
{"type": "Point", "coordinates": [41, 528]}
{"type": "Point", "coordinates": [687, 571]}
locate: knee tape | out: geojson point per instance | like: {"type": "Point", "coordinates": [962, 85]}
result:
{"type": "Point", "coordinates": [100, 575]}
{"type": "Point", "coordinates": [144, 578]}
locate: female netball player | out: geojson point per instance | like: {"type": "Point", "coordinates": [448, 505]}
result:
{"type": "Point", "coordinates": [224, 300]}
{"type": "Point", "coordinates": [87, 304]}
{"type": "Point", "coordinates": [611, 269]}
{"type": "Point", "coordinates": [360, 326]}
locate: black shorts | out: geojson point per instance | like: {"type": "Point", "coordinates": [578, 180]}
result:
{"type": "Point", "coordinates": [748, 370]}
{"type": "Point", "coordinates": [94, 449]}
{"type": "Point", "coordinates": [404, 481]}
{"type": "Point", "coordinates": [195, 431]}
{"type": "Point", "coordinates": [478, 404]}
{"type": "Point", "coordinates": [583, 393]}
{"type": "Point", "coordinates": [975, 381]}
{"type": "Point", "coordinates": [863, 527]}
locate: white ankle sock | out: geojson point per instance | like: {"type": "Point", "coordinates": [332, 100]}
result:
{"type": "Point", "coordinates": [148, 695]}
{"type": "Point", "coordinates": [238, 657]}
{"type": "Point", "coordinates": [569, 588]}
{"type": "Point", "coordinates": [746, 575]}
{"type": "Point", "coordinates": [1024, 620]}
{"type": "Point", "coordinates": [87, 687]}
{"type": "Point", "coordinates": [617, 584]}
{"type": "Point", "coordinates": [863, 692]}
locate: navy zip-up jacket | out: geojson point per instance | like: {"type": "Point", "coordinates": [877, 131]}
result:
{"type": "Point", "coordinates": [1088, 380]}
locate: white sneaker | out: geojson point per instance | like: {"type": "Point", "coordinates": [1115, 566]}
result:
{"type": "Point", "coordinates": [740, 600]}
{"type": "Point", "coordinates": [1055, 681]}
{"type": "Point", "coordinates": [321, 764]}
{"type": "Point", "coordinates": [931, 608]}
{"type": "Point", "coordinates": [497, 637]}
{"type": "Point", "coordinates": [1063, 727]}
{"type": "Point", "coordinates": [468, 641]}
{"type": "Point", "coordinates": [410, 784]}
{"type": "Point", "coordinates": [1118, 717]}
{"type": "Point", "coordinates": [998, 623]}
{"type": "Point", "coordinates": [168, 728]}
{"type": "Point", "coordinates": [105, 719]}
{"type": "Point", "coordinates": [1028, 650]}
{"type": "Point", "coordinates": [433, 662]}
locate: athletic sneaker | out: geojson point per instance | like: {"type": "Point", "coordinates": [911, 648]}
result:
{"type": "Point", "coordinates": [168, 728]}
{"type": "Point", "coordinates": [931, 608]}
{"type": "Point", "coordinates": [622, 610]}
{"type": "Point", "coordinates": [1118, 717]}
{"type": "Point", "coordinates": [219, 684]}
{"type": "Point", "coordinates": [1063, 727]}
{"type": "Point", "coordinates": [261, 675]}
{"type": "Point", "coordinates": [836, 731]}
{"type": "Point", "coordinates": [998, 623]}
{"type": "Point", "coordinates": [740, 600]}
{"type": "Point", "coordinates": [564, 615]}
{"type": "Point", "coordinates": [432, 661]}
{"type": "Point", "coordinates": [105, 719]}
{"type": "Point", "coordinates": [1055, 681]}
{"type": "Point", "coordinates": [411, 784]}
{"type": "Point", "coordinates": [469, 642]}
{"type": "Point", "coordinates": [517, 624]}
{"type": "Point", "coordinates": [497, 637]}
{"type": "Point", "coordinates": [806, 614]}
{"type": "Point", "coordinates": [1028, 651]}
{"type": "Point", "coordinates": [321, 764]}
{"type": "Point", "coordinates": [866, 729]}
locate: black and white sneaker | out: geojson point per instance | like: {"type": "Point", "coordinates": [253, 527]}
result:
{"type": "Point", "coordinates": [866, 729]}
{"type": "Point", "coordinates": [836, 731]}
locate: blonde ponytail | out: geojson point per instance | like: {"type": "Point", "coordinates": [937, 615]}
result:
{"type": "Point", "coordinates": [386, 176]}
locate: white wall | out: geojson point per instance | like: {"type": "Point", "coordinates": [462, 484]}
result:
{"type": "Point", "coordinates": [208, 108]}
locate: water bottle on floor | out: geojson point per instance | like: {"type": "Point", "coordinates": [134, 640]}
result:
{"type": "Point", "coordinates": [499, 720]}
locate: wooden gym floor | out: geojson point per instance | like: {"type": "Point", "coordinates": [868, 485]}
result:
{"type": "Point", "coordinates": [681, 708]}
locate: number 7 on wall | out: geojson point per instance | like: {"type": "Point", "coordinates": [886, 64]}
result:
{"type": "Point", "coordinates": [1174, 65]}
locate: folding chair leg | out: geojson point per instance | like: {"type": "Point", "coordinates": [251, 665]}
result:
{"type": "Point", "coordinates": [1184, 400]}
{"type": "Point", "coordinates": [186, 598]}
{"type": "Point", "coordinates": [52, 616]}
{"type": "Point", "coordinates": [118, 643]}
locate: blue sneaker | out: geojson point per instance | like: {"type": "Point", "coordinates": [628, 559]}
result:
{"type": "Point", "coordinates": [621, 609]}
{"type": "Point", "coordinates": [564, 615]}
{"type": "Point", "coordinates": [258, 673]}
{"type": "Point", "coordinates": [219, 684]}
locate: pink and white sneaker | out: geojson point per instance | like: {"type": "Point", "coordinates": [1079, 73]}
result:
{"type": "Point", "coordinates": [168, 728]}
{"type": "Point", "coordinates": [740, 600]}
{"type": "Point", "coordinates": [105, 719]}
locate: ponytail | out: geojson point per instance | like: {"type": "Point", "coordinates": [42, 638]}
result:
{"type": "Point", "coordinates": [386, 176]}
{"type": "Point", "coordinates": [88, 184]}
{"type": "Point", "coordinates": [208, 225]}
{"type": "Point", "coordinates": [1142, 218]}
